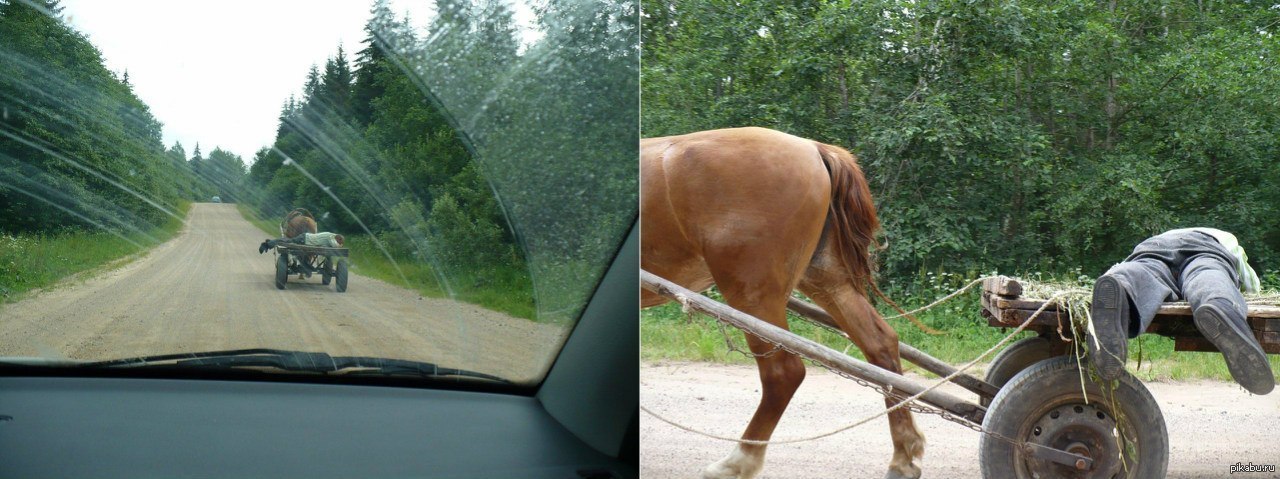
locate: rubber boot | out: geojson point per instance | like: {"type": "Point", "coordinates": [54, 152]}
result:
{"type": "Point", "coordinates": [1224, 326]}
{"type": "Point", "coordinates": [1109, 339]}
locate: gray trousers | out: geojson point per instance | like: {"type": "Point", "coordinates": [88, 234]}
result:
{"type": "Point", "coordinates": [1173, 266]}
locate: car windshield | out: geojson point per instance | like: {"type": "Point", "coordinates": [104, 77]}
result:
{"type": "Point", "coordinates": [417, 188]}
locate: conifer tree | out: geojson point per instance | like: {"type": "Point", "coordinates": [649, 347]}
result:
{"type": "Point", "coordinates": [197, 162]}
{"type": "Point", "coordinates": [371, 61]}
{"type": "Point", "coordinates": [336, 84]}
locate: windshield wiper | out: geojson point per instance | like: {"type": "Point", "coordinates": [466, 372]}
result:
{"type": "Point", "coordinates": [299, 361]}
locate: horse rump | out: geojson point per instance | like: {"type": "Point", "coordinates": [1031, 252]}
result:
{"type": "Point", "coordinates": [297, 222]}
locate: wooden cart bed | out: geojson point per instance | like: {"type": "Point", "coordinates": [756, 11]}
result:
{"type": "Point", "coordinates": [321, 250]}
{"type": "Point", "coordinates": [1004, 307]}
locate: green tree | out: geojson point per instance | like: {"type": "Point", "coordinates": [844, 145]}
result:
{"type": "Point", "coordinates": [336, 84]}
{"type": "Point", "coordinates": [372, 61]}
{"type": "Point", "coordinates": [1045, 135]}
{"type": "Point", "coordinates": [77, 146]}
{"type": "Point", "coordinates": [433, 155]}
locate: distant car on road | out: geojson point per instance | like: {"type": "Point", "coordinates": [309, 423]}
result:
{"type": "Point", "coordinates": [217, 199]}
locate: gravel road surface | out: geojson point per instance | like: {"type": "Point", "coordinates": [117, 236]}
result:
{"type": "Point", "coordinates": [209, 289]}
{"type": "Point", "coordinates": [1211, 426]}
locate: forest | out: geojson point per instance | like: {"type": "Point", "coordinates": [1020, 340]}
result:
{"type": "Point", "coordinates": [503, 162]}
{"type": "Point", "coordinates": [78, 149]}
{"type": "Point", "coordinates": [369, 153]}
{"type": "Point", "coordinates": [1045, 136]}
{"type": "Point", "coordinates": [85, 178]}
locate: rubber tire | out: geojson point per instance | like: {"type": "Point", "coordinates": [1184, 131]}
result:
{"type": "Point", "coordinates": [1014, 358]}
{"type": "Point", "coordinates": [341, 276]}
{"type": "Point", "coordinates": [326, 275]}
{"type": "Point", "coordinates": [1052, 382]}
{"type": "Point", "coordinates": [282, 270]}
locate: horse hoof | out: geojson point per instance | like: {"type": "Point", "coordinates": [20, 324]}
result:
{"type": "Point", "coordinates": [908, 472]}
{"type": "Point", "coordinates": [717, 471]}
{"type": "Point", "coordinates": [737, 465]}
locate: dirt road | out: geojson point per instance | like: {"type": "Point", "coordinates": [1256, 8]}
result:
{"type": "Point", "coordinates": [1211, 426]}
{"type": "Point", "coordinates": [209, 289]}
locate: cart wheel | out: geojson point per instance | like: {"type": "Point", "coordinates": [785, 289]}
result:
{"type": "Point", "coordinates": [1044, 405]}
{"type": "Point", "coordinates": [326, 273]}
{"type": "Point", "coordinates": [341, 276]}
{"type": "Point", "coordinates": [282, 270]}
{"type": "Point", "coordinates": [1016, 357]}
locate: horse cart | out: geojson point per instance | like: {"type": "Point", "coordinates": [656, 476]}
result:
{"type": "Point", "coordinates": [1044, 399]}
{"type": "Point", "coordinates": [1041, 410]}
{"type": "Point", "coordinates": [303, 260]}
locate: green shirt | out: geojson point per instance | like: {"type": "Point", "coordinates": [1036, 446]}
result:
{"type": "Point", "coordinates": [322, 239]}
{"type": "Point", "coordinates": [1249, 282]}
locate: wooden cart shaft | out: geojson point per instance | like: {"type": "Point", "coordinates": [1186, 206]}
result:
{"type": "Point", "coordinates": [831, 358]}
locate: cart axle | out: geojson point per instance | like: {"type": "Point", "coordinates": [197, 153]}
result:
{"type": "Point", "coordinates": [1082, 463]}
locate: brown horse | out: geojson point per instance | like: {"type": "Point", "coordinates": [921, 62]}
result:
{"type": "Point", "coordinates": [297, 222]}
{"type": "Point", "coordinates": [760, 213]}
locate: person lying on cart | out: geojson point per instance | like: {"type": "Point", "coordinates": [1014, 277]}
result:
{"type": "Point", "coordinates": [328, 240]}
{"type": "Point", "coordinates": [1205, 266]}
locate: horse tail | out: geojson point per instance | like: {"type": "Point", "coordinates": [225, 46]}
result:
{"type": "Point", "coordinates": [852, 217]}
{"type": "Point", "coordinates": [853, 223]}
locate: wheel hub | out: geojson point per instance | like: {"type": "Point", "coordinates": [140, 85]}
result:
{"type": "Point", "coordinates": [1081, 429]}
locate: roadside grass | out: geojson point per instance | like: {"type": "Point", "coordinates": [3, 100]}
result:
{"type": "Point", "coordinates": [504, 290]}
{"type": "Point", "coordinates": [667, 334]}
{"type": "Point", "coordinates": [30, 262]}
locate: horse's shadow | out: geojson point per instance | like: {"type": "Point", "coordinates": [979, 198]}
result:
{"type": "Point", "coordinates": [307, 284]}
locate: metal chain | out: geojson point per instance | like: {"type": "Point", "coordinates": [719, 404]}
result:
{"type": "Point", "coordinates": [914, 406]}
{"type": "Point", "coordinates": [917, 407]}
{"type": "Point", "coordinates": [734, 347]}
{"type": "Point", "coordinates": [887, 392]}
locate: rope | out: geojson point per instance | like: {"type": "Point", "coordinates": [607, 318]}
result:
{"type": "Point", "coordinates": [899, 405]}
{"type": "Point", "coordinates": [944, 299]}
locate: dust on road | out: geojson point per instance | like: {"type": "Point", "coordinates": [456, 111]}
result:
{"type": "Point", "coordinates": [209, 289]}
{"type": "Point", "coordinates": [1212, 425]}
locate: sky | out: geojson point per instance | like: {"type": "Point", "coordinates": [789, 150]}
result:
{"type": "Point", "coordinates": [218, 72]}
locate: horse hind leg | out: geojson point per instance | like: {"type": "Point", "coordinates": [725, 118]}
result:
{"type": "Point", "coordinates": [835, 292]}
{"type": "Point", "coordinates": [780, 374]}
